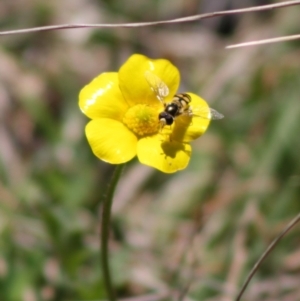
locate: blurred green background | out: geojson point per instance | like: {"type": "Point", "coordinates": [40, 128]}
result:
{"type": "Point", "coordinates": [202, 228]}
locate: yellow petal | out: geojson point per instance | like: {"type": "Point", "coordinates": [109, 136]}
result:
{"type": "Point", "coordinates": [102, 98]}
{"type": "Point", "coordinates": [111, 141]}
{"type": "Point", "coordinates": [190, 128]}
{"type": "Point", "coordinates": [166, 156]}
{"type": "Point", "coordinates": [134, 85]}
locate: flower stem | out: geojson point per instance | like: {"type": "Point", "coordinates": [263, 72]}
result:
{"type": "Point", "coordinates": [105, 226]}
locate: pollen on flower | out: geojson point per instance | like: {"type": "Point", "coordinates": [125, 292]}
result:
{"type": "Point", "coordinates": [142, 120]}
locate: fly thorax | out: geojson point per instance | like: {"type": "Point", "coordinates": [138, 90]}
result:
{"type": "Point", "coordinates": [172, 109]}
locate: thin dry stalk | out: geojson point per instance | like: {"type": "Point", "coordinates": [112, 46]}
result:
{"type": "Point", "coordinates": [266, 253]}
{"type": "Point", "coordinates": [155, 23]}
{"type": "Point", "coordinates": [265, 41]}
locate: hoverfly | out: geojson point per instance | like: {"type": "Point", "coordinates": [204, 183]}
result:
{"type": "Point", "coordinates": [180, 104]}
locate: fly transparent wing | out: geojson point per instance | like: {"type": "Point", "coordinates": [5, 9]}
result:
{"type": "Point", "coordinates": [206, 113]}
{"type": "Point", "coordinates": [160, 89]}
{"type": "Point", "coordinates": [215, 115]}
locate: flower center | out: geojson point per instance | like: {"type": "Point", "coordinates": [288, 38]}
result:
{"type": "Point", "coordinates": [142, 120]}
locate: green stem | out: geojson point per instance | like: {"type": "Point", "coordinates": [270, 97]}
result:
{"type": "Point", "coordinates": [105, 226]}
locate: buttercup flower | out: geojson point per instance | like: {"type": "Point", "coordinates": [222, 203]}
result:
{"type": "Point", "coordinates": [124, 108]}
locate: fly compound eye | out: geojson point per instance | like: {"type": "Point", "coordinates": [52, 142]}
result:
{"type": "Point", "coordinates": [167, 118]}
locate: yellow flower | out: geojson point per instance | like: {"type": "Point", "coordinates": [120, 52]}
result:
{"type": "Point", "coordinates": [124, 108]}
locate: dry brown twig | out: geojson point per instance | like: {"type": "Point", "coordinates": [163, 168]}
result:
{"type": "Point", "coordinates": [266, 253]}
{"type": "Point", "coordinates": [155, 23]}
{"type": "Point", "coordinates": [266, 41]}
{"type": "Point", "coordinates": [251, 273]}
